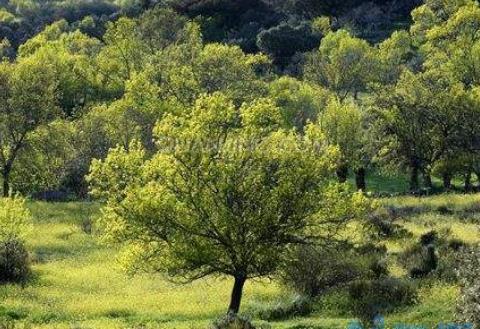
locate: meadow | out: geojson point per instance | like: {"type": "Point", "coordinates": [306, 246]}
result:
{"type": "Point", "coordinates": [78, 283]}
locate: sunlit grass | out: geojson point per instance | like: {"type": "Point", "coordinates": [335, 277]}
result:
{"type": "Point", "coordinates": [78, 281]}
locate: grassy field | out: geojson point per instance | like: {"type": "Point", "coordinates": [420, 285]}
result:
{"type": "Point", "coordinates": [78, 283]}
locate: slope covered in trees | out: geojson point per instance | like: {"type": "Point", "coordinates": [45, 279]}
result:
{"type": "Point", "coordinates": [408, 101]}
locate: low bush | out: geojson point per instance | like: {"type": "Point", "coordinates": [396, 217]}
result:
{"type": "Point", "coordinates": [383, 222]}
{"type": "Point", "coordinates": [468, 308]}
{"type": "Point", "coordinates": [14, 262]}
{"type": "Point", "coordinates": [298, 306]}
{"type": "Point", "coordinates": [15, 222]}
{"type": "Point", "coordinates": [374, 297]}
{"type": "Point", "coordinates": [232, 321]}
{"type": "Point", "coordinates": [311, 271]}
{"type": "Point", "coordinates": [86, 225]}
{"type": "Point", "coordinates": [435, 254]}
{"type": "Point", "coordinates": [15, 219]}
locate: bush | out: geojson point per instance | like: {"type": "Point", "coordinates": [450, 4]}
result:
{"type": "Point", "coordinates": [373, 297]}
{"type": "Point", "coordinates": [86, 225]}
{"type": "Point", "coordinates": [434, 255]}
{"type": "Point", "coordinates": [469, 303]}
{"type": "Point", "coordinates": [232, 321]}
{"type": "Point", "coordinates": [14, 262]}
{"type": "Point", "coordinates": [383, 223]}
{"type": "Point", "coordinates": [311, 271]}
{"type": "Point", "coordinates": [299, 306]}
{"type": "Point", "coordinates": [15, 219]}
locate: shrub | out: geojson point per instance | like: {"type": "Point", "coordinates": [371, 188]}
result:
{"type": "Point", "coordinates": [383, 223]}
{"type": "Point", "coordinates": [15, 219]}
{"type": "Point", "coordinates": [86, 225]}
{"type": "Point", "coordinates": [298, 306]}
{"type": "Point", "coordinates": [312, 271]}
{"type": "Point", "coordinates": [232, 321]}
{"type": "Point", "coordinates": [469, 302]}
{"type": "Point", "coordinates": [434, 255]}
{"type": "Point", "coordinates": [373, 297]}
{"type": "Point", "coordinates": [14, 262]}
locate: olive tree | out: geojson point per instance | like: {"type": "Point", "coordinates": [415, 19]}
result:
{"type": "Point", "coordinates": [228, 193]}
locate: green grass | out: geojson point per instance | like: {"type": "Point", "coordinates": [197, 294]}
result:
{"type": "Point", "coordinates": [79, 283]}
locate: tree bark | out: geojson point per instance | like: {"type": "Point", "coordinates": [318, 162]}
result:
{"type": "Point", "coordinates": [360, 175]}
{"type": "Point", "coordinates": [342, 173]}
{"type": "Point", "coordinates": [414, 179]}
{"type": "Point", "coordinates": [447, 181]}
{"type": "Point", "coordinates": [6, 182]}
{"type": "Point", "coordinates": [468, 182]}
{"type": "Point", "coordinates": [427, 180]}
{"type": "Point", "coordinates": [237, 294]}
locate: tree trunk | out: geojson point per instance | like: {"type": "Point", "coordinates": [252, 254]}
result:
{"type": "Point", "coordinates": [447, 181]}
{"type": "Point", "coordinates": [477, 173]}
{"type": "Point", "coordinates": [427, 180]}
{"type": "Point", "coordinates": [360, 175]}
{"type": "Point", "coordinates": [237, 293]}
{"type": "Point", "coordinates": [6, 182]}
{"type": "Point", "coordinates": [342, 173]}
{"type": "Point", "coordinates": [414, 179]}
{"type": "Point", "coordinates": [468, 182]}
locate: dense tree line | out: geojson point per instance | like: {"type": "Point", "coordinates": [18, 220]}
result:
{"type": "Point", "coordinates": [409, 101]}
{"type": "Point", "coordinates": [254, 25]}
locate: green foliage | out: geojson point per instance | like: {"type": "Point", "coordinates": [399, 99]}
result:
{"type": "Point", "coordinates": [15, 224]}
{"type": "Point", "coordinates": [5, 16]}
{"type": "Point", "coordinates": [299, 102]}
{"type": "Point", "coordinates": [342, 125]}
{"type": "Point", "coordinates": [15, 218]}
{"type": "Point", "coordinates": [343, 64]}
{"type": "Point", "coordinates": [281, 42]}
{"type": "Point", "coordinates": [28, 100]}
{"type": "Point", "coordinates": [46, 163]}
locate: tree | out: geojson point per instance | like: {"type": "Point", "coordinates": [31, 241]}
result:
{"type": "Point", "coordinates": [160, 27]}
{"type": "Point", "coordinates": [185, 70]}
{"type": "Point", "coordinates": [299, 102]}
{"type": "Point", "coordinates": [71, 56]}
{"type": "Point", "coordinates": [228, 193]}
{"type": "Point", "coordinates": [419, 119]}
{"type": "Point", "coordinates": [394, 55]}
{"type": "Point", "coordinates": [45, 162]}
{"type": "Point", "coordinates": [123, 55]}
{"type": "Point", "coordinates": [343, 64]}
{"type": "Point", "coordinates": [342, 126]}
{"type": "Point", "coordinates": [283, 41]}
{"type": "Point", "coordinates": [28, 99]}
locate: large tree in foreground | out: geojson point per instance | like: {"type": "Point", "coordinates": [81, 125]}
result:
{"type": "Point", "coordinates": [228, 193]}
